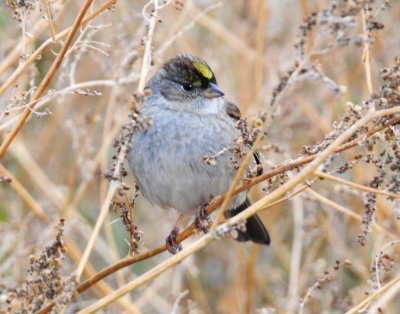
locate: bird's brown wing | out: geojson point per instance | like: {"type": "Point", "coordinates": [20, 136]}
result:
{"type": "Point", "coordinates": [234, 112]}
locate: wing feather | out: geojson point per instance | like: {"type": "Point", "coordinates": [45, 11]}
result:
{"type": "Point", "coordinates": [234, 112]}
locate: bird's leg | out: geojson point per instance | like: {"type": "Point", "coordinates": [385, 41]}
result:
{"type": "Point", "coordinates": [170, 241]}
{"type": "Point", "coordinates": [201, 215]}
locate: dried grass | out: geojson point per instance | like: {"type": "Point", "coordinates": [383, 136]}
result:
{"type": "Point", "coordinates": [318, 83]}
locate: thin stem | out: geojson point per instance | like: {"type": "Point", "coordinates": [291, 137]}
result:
{"type": "Point", "coordinates": [48, 12]}
{"type": "Point", "coordinates": [356, 309]}
{"type": "Point", "coordinates": [366, 56]}
{"type": "Point", "coordinates": [355, 185]}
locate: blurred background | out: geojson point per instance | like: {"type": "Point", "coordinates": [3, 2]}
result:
{"type": "Point", "coordinates": [58, 160]}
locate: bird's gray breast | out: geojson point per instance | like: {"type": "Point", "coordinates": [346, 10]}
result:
{"type": "Point", "coordinates": [167, 158]}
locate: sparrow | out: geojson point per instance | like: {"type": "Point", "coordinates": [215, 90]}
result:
{"type": "Point", "coordinates": [170, 159]}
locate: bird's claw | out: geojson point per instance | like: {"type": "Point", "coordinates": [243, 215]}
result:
{"type": "Point", "coordinates": [201, 216]}
{"type": "Point", "coordinates": [172, 246]}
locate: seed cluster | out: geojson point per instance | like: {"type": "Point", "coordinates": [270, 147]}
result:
{"type": "Point", "coordinates": [135, 124]}
{"type": "Point", "coordinates": [45, 281]}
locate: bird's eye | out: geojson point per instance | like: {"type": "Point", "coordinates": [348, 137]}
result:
{"type": "Point", "coordinates": [187, 87]}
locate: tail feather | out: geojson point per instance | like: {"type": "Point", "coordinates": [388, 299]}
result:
{"type": "Point", "coordinates": [255, 229]}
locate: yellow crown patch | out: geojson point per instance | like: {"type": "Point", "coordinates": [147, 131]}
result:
{"type": "Point", "coordinates": [203, 69]}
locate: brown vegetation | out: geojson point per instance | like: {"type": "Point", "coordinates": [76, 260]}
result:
{"type": "Point", "coordinates": [318, 84]}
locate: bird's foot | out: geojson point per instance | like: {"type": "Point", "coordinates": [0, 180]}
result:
{"type": "Point", "coordinates": [172, 246]}
{"type": "Point", "coordinates": [201, 216]}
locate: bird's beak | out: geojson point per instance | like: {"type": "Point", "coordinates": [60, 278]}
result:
{"type": "Point", "coordinates": [213, 92]}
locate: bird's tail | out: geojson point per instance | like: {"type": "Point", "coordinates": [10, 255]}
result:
{"type": "Point", "coordinates": [255, 229]}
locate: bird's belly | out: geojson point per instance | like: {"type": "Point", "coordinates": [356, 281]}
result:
{"type": "Point", "coordinates": [178, 177]}
{"type": "Point", "coordinates": [169, 167]}
{"type": "Point", "coordinates": [185, 188]}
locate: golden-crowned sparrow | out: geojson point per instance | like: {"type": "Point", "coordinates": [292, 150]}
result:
{"type": "Point", "coordinates": [190, 120]}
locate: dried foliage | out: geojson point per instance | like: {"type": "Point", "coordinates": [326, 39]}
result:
{"type": "Point", "coordinates": [44, 281]}
{"type": "Point", "coordinates": [311, 78]}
